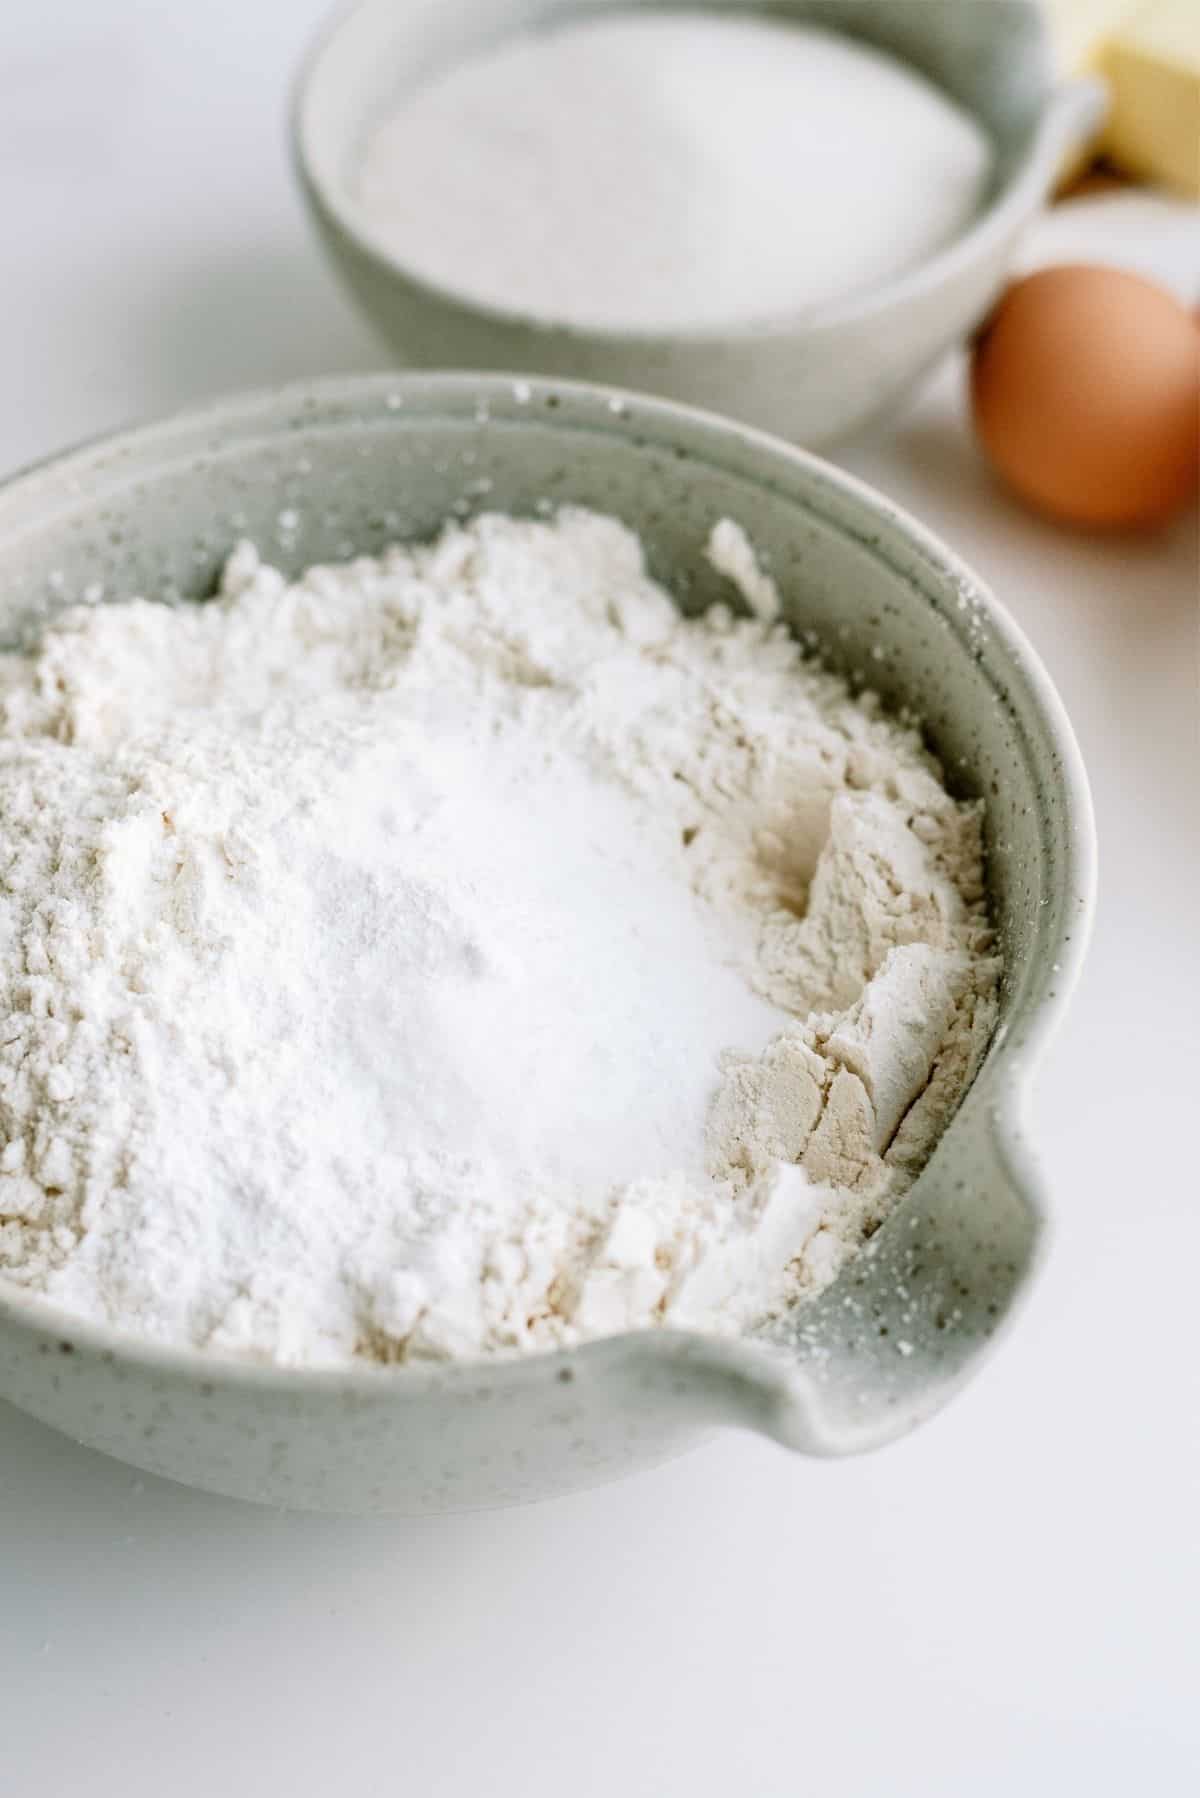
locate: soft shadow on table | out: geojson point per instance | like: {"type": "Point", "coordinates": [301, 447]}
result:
{"type": "Point", "coordinates": [252, 317]}
{"type": "Point", "coordinates": [100, 1525]}
{"type": "Point", "coordinates": [84, 1539]}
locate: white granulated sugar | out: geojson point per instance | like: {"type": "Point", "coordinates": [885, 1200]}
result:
{"type": "Point", "coordinates": [459, 951]}
{"type": "Point", "coordinates": [646, 171]}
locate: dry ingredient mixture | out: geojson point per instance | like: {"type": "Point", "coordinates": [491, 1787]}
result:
{"type": "Point", "coordinates": [648, 171]}
{"type": "Point", "coordinates": [460, 951]}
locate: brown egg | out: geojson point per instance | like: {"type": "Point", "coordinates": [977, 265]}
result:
{"type": "Point", "coordinates": [1085, 386]}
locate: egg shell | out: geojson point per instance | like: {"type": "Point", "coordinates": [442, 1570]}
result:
{"type": "Point", "coordinates": [1085, 389]}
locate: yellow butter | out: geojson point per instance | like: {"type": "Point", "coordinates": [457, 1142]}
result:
{"type": "Point", "coordinates": [1148, 52]}
{"type": "Point", "coordinates": [1080, 31]}
{"type": "Point", "coordinates": [1152, 66]}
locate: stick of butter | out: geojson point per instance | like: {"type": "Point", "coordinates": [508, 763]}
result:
{"type": "Point", "coordinates": [1148, 51]}
{"type": "Point", "coordinates": [1152, 66]}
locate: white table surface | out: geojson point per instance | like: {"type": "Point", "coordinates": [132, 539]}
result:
{"type": "Point", "coordinates": [1008, 1602]}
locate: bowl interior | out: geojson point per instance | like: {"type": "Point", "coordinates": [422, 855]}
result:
{"type": "Point", "coordinates": [990, 58]}
{"type": "Point", "coordinates": [332, 469]}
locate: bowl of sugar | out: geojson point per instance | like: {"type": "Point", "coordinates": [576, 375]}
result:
{"type": "Point", "coordinates": [502, 985]}
{"type": "Point", "coordinates": [785, 214]}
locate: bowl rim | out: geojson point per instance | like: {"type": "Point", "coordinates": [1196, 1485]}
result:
{"type": "Point", "coordinates": [779, 1379]}
{"type": "Point", "coordinates": [1066, 108]}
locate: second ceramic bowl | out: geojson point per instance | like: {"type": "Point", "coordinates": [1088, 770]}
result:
{"type": "Point", "coordinates": [811, 377]}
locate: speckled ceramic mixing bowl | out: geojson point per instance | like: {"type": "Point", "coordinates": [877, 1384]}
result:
{"type": "Point", "coordinates": [355, 463]}
{"type": "Point", "coordinates": [811, 376]}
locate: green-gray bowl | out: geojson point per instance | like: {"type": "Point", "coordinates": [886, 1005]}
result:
{"type": "Point", "coordinates": [355, 463]}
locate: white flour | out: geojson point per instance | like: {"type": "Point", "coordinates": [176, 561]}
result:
{"type": "Point", "coordinates": [648, 171]}
{"type": "Point", "coordinates": [460, 951]}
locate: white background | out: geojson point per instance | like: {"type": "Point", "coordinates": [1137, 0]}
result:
{"type": "Point", "coordinates": [1007, 1603]}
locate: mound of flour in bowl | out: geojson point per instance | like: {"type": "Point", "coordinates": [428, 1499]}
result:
{"type": "Point", "coordinates": [460, 951]}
